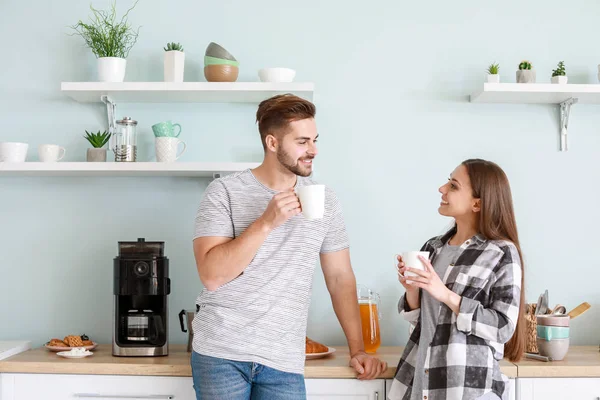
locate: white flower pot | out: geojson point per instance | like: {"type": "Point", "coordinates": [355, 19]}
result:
{"type": "Point", "coordinates": [111, 69]}
{"type": "Point", "coordinates": [526, 76]}
{"type": "Point", "coordinates": [493, 78]}
{"type": "Point", "coordinates": [174, 63]}
{"type": "Point", "coordinates": [560, 79]}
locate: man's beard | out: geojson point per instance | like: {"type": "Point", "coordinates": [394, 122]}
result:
{"type": "Point", "coordinates": [288, 162]}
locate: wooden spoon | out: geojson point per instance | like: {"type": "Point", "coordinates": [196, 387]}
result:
{"type": "Point", "coordinates": [580, 309]}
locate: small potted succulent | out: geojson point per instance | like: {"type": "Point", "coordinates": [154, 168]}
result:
{"type": "Point", "coordinates": [492, 71]}
{"type": "Point", "coordinates": [110, 40]}
{"type": "Point", "coordinates": [97, 140]}
{"type": "Point", "coordinates": [174, 62]}
{"type": "Point", "coordinates": [559, 75]}
{"type": "Point", "coordinates": [526, 73]}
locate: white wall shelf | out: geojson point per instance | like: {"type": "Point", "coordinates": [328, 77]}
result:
{"type": "Point", "coordinates": [183, 92]}
{"type": "Point", "coordinates": [541, 93]}
{"type": "Point", "coordinates": [116, 169]}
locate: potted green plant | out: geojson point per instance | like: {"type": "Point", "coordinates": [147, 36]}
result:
{"type": "Point", "coordinates": [110, 40]}
{"type": "Point", "coordinates": [97, 140]}
{"type": "Point", "coordinates": [526, 73]}
{"type": "Point", "coordinates": [559, 75]}
{"type": "Point", "coordinates": [174, 62]}
{"type": "Point", "coordinates": [492, 71]}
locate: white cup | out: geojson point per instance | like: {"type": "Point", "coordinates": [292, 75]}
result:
{"type": "Point", "coordinates": [312, 201]}
{"type": "Point", "coordinates": [13, 152]}
{"type": "Point", "coordinates": [411, 260]}
{"type": "Point", "coordinates": [166, 148]}
{"type": "Point", "coordinates": [50, 152]}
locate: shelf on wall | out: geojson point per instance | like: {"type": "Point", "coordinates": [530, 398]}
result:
{"type": "Point", "coordinates": [116, 169]}
{"type": "Point", "coordinates": [540, 93]}
{"type": "Point", "coordinates": [563, 95]}
{"type": "Point", "coordinates": [191, 92]}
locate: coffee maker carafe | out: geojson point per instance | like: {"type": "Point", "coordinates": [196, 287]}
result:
{"type": "Point", "coordinates": [141, 287]}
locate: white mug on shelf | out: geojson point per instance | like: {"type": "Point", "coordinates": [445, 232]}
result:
{"type": "Point", "coordinates": [13, 151]}
{"type": "Point", "coordinates": [51, 152]}
{"type": "Point", "coordinates": [166, 148]}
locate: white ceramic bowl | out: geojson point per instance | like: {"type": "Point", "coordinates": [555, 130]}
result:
{"type": "Point", "coordinates": [276, 74]}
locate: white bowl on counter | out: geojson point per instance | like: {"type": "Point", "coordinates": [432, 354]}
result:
{"type": "Point", "coordinates": [276, 74]}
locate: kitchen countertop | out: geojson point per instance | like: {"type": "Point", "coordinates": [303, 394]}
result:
{"type": "Point", "coordinates": [177, 363]}
{"type": "Point", "coordinates": [580, 361]}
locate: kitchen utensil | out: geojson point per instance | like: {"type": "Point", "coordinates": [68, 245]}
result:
{"type": "Point", "coordinates": [538, 306]}
{"type": "Point", "coordinates": [580, 309]}
{"type": "Point", "coordinates": [189, 316]}
{"type": "Point", "coordinates": [124, 140]}
{"type": "Point", "coordinates": [545, 303]}
{"type": "Point", "coordinates": [559, 310]}
{"type": "Point", "coordinates": [537, 357]}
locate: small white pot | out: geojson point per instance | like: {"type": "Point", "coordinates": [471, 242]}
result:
{"type": "Point", "coordinates": [111, 69]}
{"type": "Point", "coordinates": [560, 79]}
{"type": "Point", "coordinates": [526, 76]}
{"type": "Point", "coordinates": [174, 65]}
{"type": "Point", "coordinates": [493, 78]}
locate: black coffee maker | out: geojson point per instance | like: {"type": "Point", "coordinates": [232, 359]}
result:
{"type": "Point", "coordinates": [141, 286]}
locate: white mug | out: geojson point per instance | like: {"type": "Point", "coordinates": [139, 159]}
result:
{"type": "Point", "coordinates": [411, 260]}
{"type": "Point", "coordinates": [312, 201]}
{"type": "Point", "coordinates": [13, 152]}
{"type": "Point", "coordinates": [50, 152]}
{"type": "Point", "coordinates": [166, 148]}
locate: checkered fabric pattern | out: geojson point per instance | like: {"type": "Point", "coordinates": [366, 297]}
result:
{"type": "Point", "coordinates": [462, 359]}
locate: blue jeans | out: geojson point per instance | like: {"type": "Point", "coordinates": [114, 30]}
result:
{"type": "Point", "coordinates": [220, 379]}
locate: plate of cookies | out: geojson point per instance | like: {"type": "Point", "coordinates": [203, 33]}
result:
{"type": "Point", "coordinates": [71, 342]}
{"type": "Point", "coordinates": [317, 350]}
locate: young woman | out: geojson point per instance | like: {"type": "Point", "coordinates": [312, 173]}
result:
{"type": "Point", "coordinates": [466, 307]}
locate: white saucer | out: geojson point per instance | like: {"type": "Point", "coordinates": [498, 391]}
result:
{"type": "Point", "coordinates": [67, 354]}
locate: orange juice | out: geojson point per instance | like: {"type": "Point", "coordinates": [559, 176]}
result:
{"type": "Point", "coordinates": [369, 319]}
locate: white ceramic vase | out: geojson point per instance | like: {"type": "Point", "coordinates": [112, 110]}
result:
{"type": "Point", "coordinates": [493, 78]}
{"type": "Point", "coordinates": [560, 79]}
{"type": "Point", "coordinates": [111, 69]}
{"type": "Point", "coordinates": [174, 65]}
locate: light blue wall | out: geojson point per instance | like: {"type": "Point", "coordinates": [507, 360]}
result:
{"type": "Point", "coordinates": [392, 84]}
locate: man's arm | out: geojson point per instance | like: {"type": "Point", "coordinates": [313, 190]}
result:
{"type": "Point", "coordinates": [341, 285]}
{"type": "Point", "coordinates": [221, 259]}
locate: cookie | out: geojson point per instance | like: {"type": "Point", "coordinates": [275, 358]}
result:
{"type": "Point", "coordinates": [73, 341]}
{"type": "Point", "coordinates": [88, 343]}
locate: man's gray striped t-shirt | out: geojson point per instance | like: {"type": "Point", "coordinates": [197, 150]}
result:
{"type": "Point", "coordinates": [260, 316]}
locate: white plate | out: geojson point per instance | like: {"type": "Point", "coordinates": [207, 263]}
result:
{"type": "Point", "coordinates": [67, 354]}
{"type": "Point", "coordinates": [312, 356]}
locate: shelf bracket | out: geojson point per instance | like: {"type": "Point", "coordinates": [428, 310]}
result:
{"type": "Point", "coordinates": [565, 113]}
{"type": "Point", "coordinates": [111, 111]}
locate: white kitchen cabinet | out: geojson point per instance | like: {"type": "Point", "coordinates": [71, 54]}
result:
{"type": "Point", "coordinates": [512, 395]}
{"type": "Point", "coordinates": [112, 387]}
{"type": "Point", "coordinates": [94, 387]}
{"type": "Point", "coordinates": [558, 388]}
{"type": "Point", "coordinates": [345, 389]}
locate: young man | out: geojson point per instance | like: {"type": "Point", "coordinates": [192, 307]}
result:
{"type": "Point", "coordinates": [256, 256]}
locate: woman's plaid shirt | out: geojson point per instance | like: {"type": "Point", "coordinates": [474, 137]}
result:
{"type": "Point", "coordinates": [462, 359]}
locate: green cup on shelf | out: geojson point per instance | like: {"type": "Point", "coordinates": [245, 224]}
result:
{"type": "Point", "coordinates": [166, 129]}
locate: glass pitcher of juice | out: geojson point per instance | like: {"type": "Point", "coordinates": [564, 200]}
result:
{"type": "Point", "coordinates": [369, 304]}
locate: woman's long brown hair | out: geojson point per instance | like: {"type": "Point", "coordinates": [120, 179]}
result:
{"type": "Point", "coordinates": [497, 222]}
